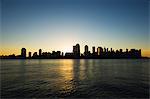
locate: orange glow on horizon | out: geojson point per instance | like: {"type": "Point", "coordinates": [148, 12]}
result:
{"type": "Point", "coordinates": [146, 53]}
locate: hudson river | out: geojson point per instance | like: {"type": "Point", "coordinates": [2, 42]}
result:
{"type": "Point", "coordinates": [75, 78]}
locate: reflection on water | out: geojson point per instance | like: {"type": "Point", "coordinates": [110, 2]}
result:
{"type": "Point", "coordinates": [65, 84]}
{"type": "Point", "coordinates": [106, 78]}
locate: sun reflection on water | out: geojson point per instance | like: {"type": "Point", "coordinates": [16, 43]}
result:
{"type": "Point", "coordinates": [66, 84]}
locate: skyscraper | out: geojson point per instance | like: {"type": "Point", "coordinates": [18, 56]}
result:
{"type": "Point", "coordinates": [86, 50]}
{"type": "Point", "coordinates": [40, 52]}
{"type": "Point", "coordinates": [76, 50]}
{"type": "Point", "coordinates": [99, 50]}
{"type": "Point", "coordinates": [111, 50]}
{"type": "Point", "coordinates": [23, 53]}
{"type": "Point", "coordinates": [93, 50]}
{"type": "Point", "coordinates": [120, 50]}
{"type": "Point", "coordinates": [139, 52]}
{"type": "Point", "coordinates": [29, 54]}
{"type": "Point", "coordinates": [105, 50]}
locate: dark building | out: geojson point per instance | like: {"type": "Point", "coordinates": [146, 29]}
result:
{"type": "Point", "coordinates": [75, 54]}
{"type": "Point", "coordinates": [120, 50]}
{"type": "Point", "coordinates": [23, 53]}
{"type": "Point", "coordinates": [69, 55]}
{"type": "Point", "coordinates": [111, 50]}
{"type": "Point", "coordinates": [35, 55]}
{"type": "Point", "coordinates": [87, 53]}
{"type": "Point", "coordinates": [135, 53]}
{"type": "Point", "coordinates": [126, 50]}
{"type": "Point", "coordinates": [76, 51]}
{"type": "Point", "coordinates": [30, 55]}
{"type": "Point", "coordinates": [104, 49]}
{"type": "Point", "coordinates": [86, 50]}
{"type": "Point", "coordinates": [56, 54]}
{"type": "Point", "coordinates": [46, 54]}
{"type": "Point", "coordinates": [107, 50]}
{"type": "Point", "coordinates": [93, 50]}
{"type": "Point", "coordinates": [99, 51]}
{"type": "Point", "coordinates": [49, 54]}
{"type": "Point", "coordinates": [40, 52]}
{"type": "Point", "coordinates": [62, 54]}
{"type": "Point", "coordinates": [139, 53]}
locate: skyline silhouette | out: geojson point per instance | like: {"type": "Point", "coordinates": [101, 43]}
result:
{"type": "Point", "coordinates": [96, 53]}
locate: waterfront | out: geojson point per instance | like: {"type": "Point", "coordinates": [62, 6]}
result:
{"type": "Point", "coordinates": [75, 78]}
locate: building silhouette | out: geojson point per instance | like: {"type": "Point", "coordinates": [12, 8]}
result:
{"type": "Point", "coordinates": [76, 51]}
{"type": "Point", "coordinates": [23, 53]}
{"type": "Point", "coordinates": [76, 54]}
{"type": "Point", "coordinates": [100, 51]}
{"type": "Point", "coordinates": [93, 50]}
{"type": "Point", "coordinates": [30, 55]}
{"type": "Point", "coordinates": [69, 55]}
{"type": "Point", "coordinates": [35, 55]}
{"type": "Point", "coordinates": [86, 51]}
{"type": "Point", "coordinates": [40, 52]}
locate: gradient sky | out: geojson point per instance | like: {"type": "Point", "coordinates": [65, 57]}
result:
{"type": "Point", "coordinates": [60, 24]}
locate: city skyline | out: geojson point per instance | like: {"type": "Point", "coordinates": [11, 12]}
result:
{"type": "Point", "coordinates": [82, 50]}
{"type": "Point", "coordinates": [95, 53]}
{"type": "Point", "coordinates": [58, 24]}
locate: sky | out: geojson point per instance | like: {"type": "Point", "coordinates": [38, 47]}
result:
{"type": "Point", "coordinates": [60, 24]}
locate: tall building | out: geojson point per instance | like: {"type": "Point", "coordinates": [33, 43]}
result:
{"type": "Point", "coordinates": [139, 52]}
{"type": "Point", "coordinates": [99, 50]}
{"type": "Point", "coordinates": [30, 55]}
{"type": "Point", "coordinates": [76, 50]}
{"type": "Point", "coordinates": [120, 50]}
{"type": "Point", "coordinates": [40, 52]}
{"type": "Point", "coordinates": [86, 50]}
{"type": "Point", "coordinates": [93, 50]}
{"type": "Point", "coordinates": [111, 50]}
{"type": "Point", "coordinates": [62, 54]}
{"type": "Point", "coordinates": [23, 52]}
{"type": "Point", "coordinates": [107, 50]}
{"type": "Point", "coordinates": [126, 50]}
{"type": "Point", "coordinates": [104, 49]}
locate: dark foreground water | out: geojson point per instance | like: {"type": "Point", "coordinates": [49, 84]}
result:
{"type": "Point", "coordinates": [90, 78]}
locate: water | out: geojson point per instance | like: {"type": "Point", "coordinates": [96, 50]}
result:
{"type": "Point", "coordinates": [73, 78]}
